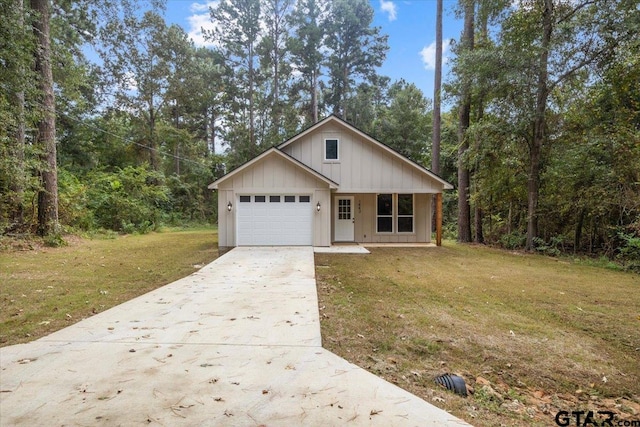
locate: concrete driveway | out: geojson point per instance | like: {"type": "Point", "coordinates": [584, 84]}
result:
{"type": "Point", "coordinates": [234, 344]}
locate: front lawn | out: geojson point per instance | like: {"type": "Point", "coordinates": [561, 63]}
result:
{"type": "Point", "coordinates": [531, 335]}
{"type": "Point", "coordinates": [46, 289]}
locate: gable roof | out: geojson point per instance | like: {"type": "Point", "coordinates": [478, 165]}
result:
{"type": "Point", "coordinates": [273, 150]}
{"type": "Point", "coordinates": [370, 139]}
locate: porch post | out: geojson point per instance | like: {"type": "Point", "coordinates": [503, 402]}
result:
{"type": "Point", "coordinates": [439, 219]}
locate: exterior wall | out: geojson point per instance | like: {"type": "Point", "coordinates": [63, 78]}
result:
{"type": "Point", "coordinates": [322, 219]}
{"type": "Point", "coordinates": [272, 175]}
{"type": "Point", "coordinates": [362, 166]}
{"type": "Point", "coordinates": [226, 219]}
{"type": "Point", "coordinates": [365, 208]}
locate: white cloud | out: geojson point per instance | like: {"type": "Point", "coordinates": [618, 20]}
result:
{"type": "Point", "coordinates": [390, 8]}
{"type": "Point", "coordinates": [428, 54]}
{"type": "Point", "coordinates": [199, 20]}
{"type": "Point", "coordinates": [201, 7]}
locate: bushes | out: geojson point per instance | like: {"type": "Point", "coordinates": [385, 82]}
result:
{"type": "Point", "coordinates": [130, 200]}
{"type": "Point", "coordinates": [629, 251]}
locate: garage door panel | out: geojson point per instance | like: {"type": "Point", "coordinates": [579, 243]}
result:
{"type": "Point", "coordinates": [274, 223]}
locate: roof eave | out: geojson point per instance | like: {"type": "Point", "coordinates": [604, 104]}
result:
{"type": "Point", "coordinates": [332, 184]}
{"type": "Point", "coordinates": [446, 185]}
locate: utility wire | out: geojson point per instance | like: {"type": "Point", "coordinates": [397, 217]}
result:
{"type": "Point", "coordinates": [121, 138]}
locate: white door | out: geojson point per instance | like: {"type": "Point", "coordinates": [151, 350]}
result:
{"type": "Point", "coordinates": [274, 220]}
{"type": "Point", "coordinates": [344, 220]}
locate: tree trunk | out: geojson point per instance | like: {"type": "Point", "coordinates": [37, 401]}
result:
{"type": "Point", "coordinates": [535, 152]}
{"type": "Point", "coordinates": [437, 86]}
{"type": "Point", "coordinates": [46, 138]}
{"type": "Point", "coordinates": [212, 135]}
{"type": "Point", "coordinates": [252, 131]}
{"type": "Point", "coordinates": [345, 92]}
{"type": "Point", "coordinates": [578, 237]}
{"type": "Point", "coordinates": [276, 63]}
{"type": "Point", "coordinates": [17, 184]}
{"type": "Point", "coordinates": [464, 208]}
{"type": "Point", "coordinates": [479, 234]}
{"type": "Point", "coordinates": [314, 96]}
{"type": "Point", "coordinates": [151, 144]}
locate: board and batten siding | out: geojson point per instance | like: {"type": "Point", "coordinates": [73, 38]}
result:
{"type": "Point", "coordinates": [365, 207]}
{"type": "Point", "coordinates": [363, 167]}
{"type": "Point", "coordinates": [273, 175]}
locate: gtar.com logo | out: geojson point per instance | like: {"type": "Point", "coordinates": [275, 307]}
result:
{"type": "Point", "coordinates": [592, 418]}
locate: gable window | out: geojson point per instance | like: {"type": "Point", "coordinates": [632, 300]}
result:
{"type": "Point", "coordinates": [331, 149]}
{"type": "Point", "coordinates": [384, 217]}
{"type": "Point", "coordinates": [405, 213]}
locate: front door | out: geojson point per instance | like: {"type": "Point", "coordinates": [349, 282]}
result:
{"type": "Point", "coordinates": [344, 220]}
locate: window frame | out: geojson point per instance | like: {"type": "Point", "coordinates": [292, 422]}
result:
{"type": "Point", "coordinates": [412, 216]}
{"type": "Point", "coordinates": [378, 215]}
{"type": "Point", "coordinates": [324, 152]}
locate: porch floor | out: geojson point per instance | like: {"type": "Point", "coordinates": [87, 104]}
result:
{"type": "Point", "coordinates": [400, 245]}
{"type": "Point", "coordinates": [361, 248]}
{"type": "Point", "coordinates": [341, 248]}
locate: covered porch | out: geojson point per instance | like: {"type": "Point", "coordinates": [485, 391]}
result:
{"type": "Point", "coordinates": [385, 218]}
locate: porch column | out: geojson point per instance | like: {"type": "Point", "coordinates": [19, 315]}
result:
{"type": "Point", "coordinates": [438, 219]}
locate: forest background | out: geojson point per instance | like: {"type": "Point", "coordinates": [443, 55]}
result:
{"type": "Point", "coordinates": [542, 139]}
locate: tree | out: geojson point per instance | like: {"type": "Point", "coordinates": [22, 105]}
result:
{"type": "Point", "coordinates": [16, 75]}
{"type": "Point", "coordinates": [464, 114]}
{"type": "Point", "coordinates": [308, 23]}
{"type": "Point", "coordinates": [437, 89]}
{"type": "Point", "coordinates": [275, 59]}
{"type": "Point", "coordinates": [407, 104]}
{"type": "Point", "coordinates": [356, 49]}
{"type": "Point", "coordinates": [46, 136]}
{"type": "Point", "coordinates": [544, 46]}
{"type": "Point", "coordinates": [140, 56]}
{"type": "Point", "coordinates": [236, 36]}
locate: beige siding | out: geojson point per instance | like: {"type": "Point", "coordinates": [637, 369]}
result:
{"type": "Point", "coordinates": [226, 219]}
{"type": "Point", "coordinates": [273, 175]}
{"type": "Point", "coordinates": [365, 221]}
{"type": "Point", "coordinates": [322, 220]}
{"type": "Point", "coordinates": [363, 166]}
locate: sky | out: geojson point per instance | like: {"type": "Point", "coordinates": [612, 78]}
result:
{"type": "Point", "coordinates": [410, 25]}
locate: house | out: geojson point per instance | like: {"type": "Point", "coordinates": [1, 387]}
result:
{"type": "Point", "coordinates": [330, 183]}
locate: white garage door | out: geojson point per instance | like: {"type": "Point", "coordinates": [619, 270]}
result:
{"type": "Point", "coordinates": [274, 220]}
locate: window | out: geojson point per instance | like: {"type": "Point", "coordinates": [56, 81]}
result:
{"type": "Point", "coordinates": [245, 199]}
{"type": "Point", "coordinates": [385, 213]}
{"type": "Point", "coordinates": [289, 199]}
{"type": "Point", "coordinates": [259, 199]}
{"type": "Point", "coordinates": [344, 208]}
{"type": "Point", "coordinates": [331, 149]}
{"type": "Point", "coordinates": [305, 199]}
{"type": "Point", "coordinates": [405, 213]}
{"type": "Point", "coordinates": [274, 199]}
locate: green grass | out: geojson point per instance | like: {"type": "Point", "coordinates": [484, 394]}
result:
{"type": "Point", "coordinates": [46, 289]}
{"type": "Point", "coordinates": [526, 323]}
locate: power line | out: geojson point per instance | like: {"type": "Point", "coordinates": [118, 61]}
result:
{"type": "Point", "coordinates": [121, 138]}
